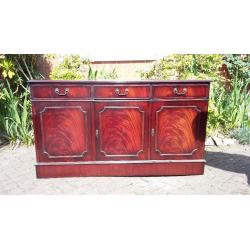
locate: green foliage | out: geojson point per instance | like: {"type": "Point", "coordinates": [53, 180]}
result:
{"type": "Point", "coordinates": [111, 75]}
{"type": "Point", "coordinates": [19, 67]}
{"type": "Point", "coordinates": [92, 74]}
{"type": "Point", "coordinates": [185, 67]}
{"type": "Point", "coordinates": [15, 118]}
{"type": "Point", "coordinates": [7, 68]}
{"type": "Point", "coordinates": [15, 106]}
{"type": "Point", "coordinates": [242, 135]}
{"type": "Point", "coordinates": [228, 105]}
{"type": "Point", "coordinates": [102, 74]}
{"type": "Point", "coordinates": [71, 68]}
{"type": "Point", "coordinates": [239, 67]}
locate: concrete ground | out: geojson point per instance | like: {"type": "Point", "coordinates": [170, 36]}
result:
{"type": "Point", "coordinates": [227, 172]}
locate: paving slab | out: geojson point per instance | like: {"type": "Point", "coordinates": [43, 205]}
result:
{"type": "Point", "coordinates": [227, 172]}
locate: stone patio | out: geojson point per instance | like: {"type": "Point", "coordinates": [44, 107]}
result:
{"type": "Point", "coordinates": [227, 172]}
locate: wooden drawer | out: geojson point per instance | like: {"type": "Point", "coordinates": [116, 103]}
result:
{"type": "Point", "coordinates": [122, 91]}
{"type": "Point", "coordinates": [59, 91]}
{"type": "Point", "coordinates": [181, 90]}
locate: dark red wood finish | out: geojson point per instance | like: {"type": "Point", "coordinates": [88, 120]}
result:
{"type": "Point", "coordinates": [122, 91]}
{"type": "Point", "coordinates": [62, 131]}
{"type": "Point", "coordinates": [127, 169]}
{"type": "Point", "coordinates": [122, 130]}
{"type": "Point", "coordinates": [59, 91]}
{"type": "Point", "coordinates": [178, 129]}
{"type": "Point", "coordinates": [180, 90]}
{"type": "Point", "coordinates": [110, 128]}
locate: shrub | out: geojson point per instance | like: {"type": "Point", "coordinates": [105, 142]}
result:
{"type": "Point", "coordinates": [15, 106]}
{"type": "Point", "coordinates": [186, 67]}
{"type": "Point", "coordinates": [71, 68]}
{"type": "Point", "coordinates": [15, 119]}
{"type": "Point", "coordinates": [242, 135]}
{"type": "Point", "coordinates": [229, 103]}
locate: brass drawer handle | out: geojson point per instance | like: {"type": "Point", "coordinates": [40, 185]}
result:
{"type": "Point", "coordinates": [180, 93]}
{"type": "Point", "coordinates": [57, 91]}
{"type": "Point", "coordinates": [117, 91]}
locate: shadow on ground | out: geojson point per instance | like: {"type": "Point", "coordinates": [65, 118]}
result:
{"type": "Point", "coordinates": [229, 162]}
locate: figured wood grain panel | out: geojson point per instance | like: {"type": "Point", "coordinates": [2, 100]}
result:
{"type": "Point", "coordinates": [121, 131]}
{"type": "Point", "coordinates": [177, 129]}
{"type": "Point", "coordinates": [96, 130]}
{"type": "Point", "coordinates": [64, 131]}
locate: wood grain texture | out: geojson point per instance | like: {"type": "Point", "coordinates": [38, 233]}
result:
{"type": "Point", "coordinates": [167, 91]}
{"type": "Point", "coordinates": [62, 131]}
{"type": "Point", "coordinates": [49, 91]}
{"type": "Point", "coordinates": [121, 130]}
{"type": "Point", "coordinates": [127, 91]}
{"type": "Point", "coordinates": [128, 169]}
{"type": "Point", "coordinates": [96, 123]}
{"type": "Point", "coordinates": [179, 129]}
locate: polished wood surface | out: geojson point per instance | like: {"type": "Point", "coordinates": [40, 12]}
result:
{"type": "Point", "coordinates": [128, 169]}
{"type": "Point", "coordinates": [62, 131]}
{"type": "Point", "coordinates": [120, 91]}
{"type": "Point", "coordinates": [178, 129]}
{"type": "Point", "coordinates": [181, 90]}
{"type": "Point", "coordinates": [121, 129]}
{"type": "Point", "coordinates": [114, 128]}
{"type": "Point", "coordinates": [58, 91]}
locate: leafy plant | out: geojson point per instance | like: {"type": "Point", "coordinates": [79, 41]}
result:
{"type": "Point", "coordinates": [7, 68]}
{"type": "Point", "coordinates": [71, 68]}
{"type": "Point", "coordinates": [109, 75]}
{"type": "Point", "coordinates": [185, 67]}
{"type": "Point", "coordinates": [92, 74]}
{"type": "Point", "coordinates": [15, 106]}
{"type": "Point", "coordinates": [15, 118]}
{"type": "Point", "coordinates": [242, 135]}
{"type": "Point", "coordinates": [229, 101]}
{"type": "Point", "coordinates": [20, 67]}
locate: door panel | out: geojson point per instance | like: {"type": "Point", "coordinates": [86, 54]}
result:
{"type": "Point", "coordinates": [63, 131]}
{"type": "Point", "coordinates": [122, 130]}
{"type": "Point", "coordinates": [176, 130]}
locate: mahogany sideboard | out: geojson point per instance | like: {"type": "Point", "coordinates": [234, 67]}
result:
{"type": "Point", "coordinates": [119, 128]}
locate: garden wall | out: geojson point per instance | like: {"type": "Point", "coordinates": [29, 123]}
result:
{"type": "Point", "coordinates": [129, 69]}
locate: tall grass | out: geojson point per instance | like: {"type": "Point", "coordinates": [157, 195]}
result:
{"type": "Point", "coordinates": [15, 120]}
{"type": "Point", "coordinates": [228, 109]}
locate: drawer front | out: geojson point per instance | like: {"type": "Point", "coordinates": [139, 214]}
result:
{"type": "Point", "coordinates": [122, 91]}
{"type": "Point", "coordinates": [59, 91]}
{"type": "Point", "coordinates": [181, 90]}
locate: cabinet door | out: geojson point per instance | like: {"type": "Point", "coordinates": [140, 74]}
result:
{"type": "Point", "coordinates": [62, 131]}
{"type": "Point", "coordinates": [178, 129]}
{"type": "Point", "coordinates": [122, 130]}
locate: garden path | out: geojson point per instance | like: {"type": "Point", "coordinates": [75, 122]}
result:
{"type": "Point", "coordinates": [227, 172]}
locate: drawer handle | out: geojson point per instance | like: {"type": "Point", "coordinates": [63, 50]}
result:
{"type": "Point", "coordinates": [57, 91]}
{"type": "Point", "coordinates": [180, 93]}
{"type": "Point", "coordinates": [117, 91]}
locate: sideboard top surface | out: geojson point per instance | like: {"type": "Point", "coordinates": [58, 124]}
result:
{"type": "Point", "coordinates": [119, 81]}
